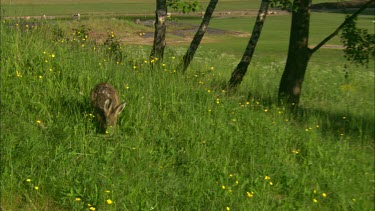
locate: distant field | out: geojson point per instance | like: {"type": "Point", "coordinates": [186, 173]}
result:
{"type": "Point", "coordinates": [68, 7]}
{"type": "Point", "coordinates": [273, 41]}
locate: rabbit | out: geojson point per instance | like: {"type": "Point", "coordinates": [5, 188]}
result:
{"type": "Point", "coordinates": [105, 100]}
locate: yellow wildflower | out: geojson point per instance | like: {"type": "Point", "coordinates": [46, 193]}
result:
{"type": "Point", "coordinates": [18, 73]}
{"type": "Point", "coordinates": [295, 151]}
{"type": "Point", "coordinates": [250, 194]}
{"type": "Point", "coordinates": [109, 201]}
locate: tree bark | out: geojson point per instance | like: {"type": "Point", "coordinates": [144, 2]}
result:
{"type": "Point", "coordinates": [157, 52]}
{"type": "Point", "coordinates": [188, 57]}
{"type": "Point", "coordinates": [241, 69]}
{"type": "Point", "coordinates": [298, 55]}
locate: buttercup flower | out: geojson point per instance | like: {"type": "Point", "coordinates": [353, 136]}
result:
{"type": "Point", "coordinates": [250, 194]}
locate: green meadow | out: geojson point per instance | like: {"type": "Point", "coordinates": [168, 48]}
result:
{"type": "Point", "coordinates": [182, 142]}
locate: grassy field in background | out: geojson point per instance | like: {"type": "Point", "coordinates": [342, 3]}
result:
{"type": "Point", "coordinates": [118, 7]}
{"type": "Point", "coordinates": [182, 142]}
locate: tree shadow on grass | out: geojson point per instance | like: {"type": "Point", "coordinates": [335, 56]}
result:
{"type": "Point", "coordinates": [340, 124]}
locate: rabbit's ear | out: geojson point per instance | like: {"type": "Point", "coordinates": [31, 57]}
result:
{"type": "Point", "coordinates": [107, 106]}
{"type": "Point", "coordinates": [119, 108]}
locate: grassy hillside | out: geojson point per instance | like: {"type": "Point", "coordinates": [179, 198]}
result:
{"type": "Point", "coordinates": [182, 142]}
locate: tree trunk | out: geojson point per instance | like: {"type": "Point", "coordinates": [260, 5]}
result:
{"type": "Point", "coordinates": [298, 55]}
{"type": "Point", "coordinates": [188, 57]}
{"type": "Point", "coordinates": [157, 52]}
{"type": "Point", "coordinates": [241, 68]}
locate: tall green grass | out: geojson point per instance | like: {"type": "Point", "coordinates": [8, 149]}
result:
{"type": "Point", "coordinates": [182, 143]}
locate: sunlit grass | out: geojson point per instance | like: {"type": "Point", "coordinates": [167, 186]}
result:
{"type": "Point", "coordinates": [182, 142]}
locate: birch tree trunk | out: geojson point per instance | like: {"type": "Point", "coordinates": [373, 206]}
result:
{"type": "Point", "coordinates": [241, 69]}
{"type": "Point", "coordinates": [157, 52]}
{"type": "Point", "coordinates": [189, 55]}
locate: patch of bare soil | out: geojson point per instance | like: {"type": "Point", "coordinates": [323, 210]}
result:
{"type": "Point", "coordinates": [178, 32]}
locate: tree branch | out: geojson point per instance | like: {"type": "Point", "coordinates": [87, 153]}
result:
{"type": "Point", "coordinates": [354, 15]}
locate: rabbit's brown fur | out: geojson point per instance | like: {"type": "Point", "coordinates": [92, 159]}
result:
{"type": "Point", "coordinates": [105, 101]}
